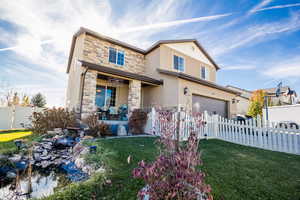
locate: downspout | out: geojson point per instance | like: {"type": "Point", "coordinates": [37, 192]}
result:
{"type": "Point", "coordinates": [82, 90]}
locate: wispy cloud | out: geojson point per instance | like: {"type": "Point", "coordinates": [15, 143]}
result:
{"type": "Point", "coordinates": [42, 34]}
{"type": "Point", "coordinates": [260, 5]}
{"type": "Point", "coordinates": [175, 23]}
{"type": "Point", "coordinates": [238, 67]}
{"type": "Point", "coordinates": [284, 69]}
{"type": "Point", "coordinates": [255, 34]}
{"type": "Point", "coordinates": [278, 7]}
{"type": "Point", "coordinates": [24, 45]}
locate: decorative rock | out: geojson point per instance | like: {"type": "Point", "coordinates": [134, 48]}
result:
{"type": "Point", "coordinates": [100, 170]}
{"type": "Point", "coordinates": [15, 158]}
{"type": "Point", "coordinates": [58, 130]}
{"type": "Point", "coordinates": [45, 164]}
{"type": "Point", "coordinates": [51, 133]}
{"type": "Point", "coordinates": [37, 156]}
{"type": "Point", "coordinates": [11, 175]}
{"type": "Point", "coordinates": [47, 157]}
{"type": "Point", "coordinates": [87, 137]}
{"type": "Point", "coordinates": [80, 162]}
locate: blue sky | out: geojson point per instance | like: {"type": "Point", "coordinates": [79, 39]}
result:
{"type": "Point", "coordinates": [256, 43]}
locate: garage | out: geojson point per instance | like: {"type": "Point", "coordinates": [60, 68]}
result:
{"type": "Point", "coordinates": [211, 105]}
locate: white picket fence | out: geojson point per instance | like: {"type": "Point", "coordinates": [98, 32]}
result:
{"type": "Point", "coordinates": [251, 133]}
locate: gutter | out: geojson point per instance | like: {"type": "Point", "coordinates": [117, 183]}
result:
{"type": "Point", "coordinates": [82, 90]}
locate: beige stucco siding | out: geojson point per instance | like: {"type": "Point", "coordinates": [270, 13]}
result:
{"type": "Point", "coordinates": [192, 65]}
{"type": "Point", "coordinates": [165, 95]}
{"type": "Point", "coordinates": [190, 49]}
{"type": "Point", "coordinates": [242, 105]}
{"type": "Point", "coordinates": [152, 62]}
{"type": "Point", "coordinates": [74, 78]}
{"type": "Point", "coordinates": [97, 51]}
{"type": "Point", "coordinates": [198, 89]}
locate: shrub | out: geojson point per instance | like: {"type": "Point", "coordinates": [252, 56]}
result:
{"type": "Point", "coordinates": [96, 129]}
{"type": "Point", "coordinates": [49, 119]}
{"type": "Point", "coordinates": [104, 129]}
{"type": "Point", "coordinates": [174, 174]}
{"type": "Point", "coordinates": [137, 121]}
{"type": "Point", "coordinates": [38, 100]}
{"type": "Point", "coordinates": [86, 190]}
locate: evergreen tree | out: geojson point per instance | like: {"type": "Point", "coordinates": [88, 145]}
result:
{"type": "Point", "coordinates": [38, 100]}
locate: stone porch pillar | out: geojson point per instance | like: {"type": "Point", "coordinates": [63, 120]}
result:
{"type": "Point", "coordinates": [134, 95]}
{"type": "Point", "coordinates": [89, 94]}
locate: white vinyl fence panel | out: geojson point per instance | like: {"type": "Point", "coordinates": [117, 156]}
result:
{"type": "Point", "coordinates": [14, 117]}
{"type": "Point", "coordinates": [249, 133]}
{"type": "Point", "coordinates": [6, 114]}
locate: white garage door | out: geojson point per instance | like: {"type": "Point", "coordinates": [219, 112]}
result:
{"type": "Point", "coordinates": [212, 106]}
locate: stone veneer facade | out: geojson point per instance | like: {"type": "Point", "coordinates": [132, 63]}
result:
{"type": "Point", "coordinates": [89, 93]}
{"type": "Point", "coordinates": [134, 95]}
{"type": "Point", "coordinates": [97, 51]}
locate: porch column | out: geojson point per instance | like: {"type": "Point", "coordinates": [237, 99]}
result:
{"type": "Point", "coordinates": [134, 95]}
{"type": "Point", "coordinates": [89, 94]}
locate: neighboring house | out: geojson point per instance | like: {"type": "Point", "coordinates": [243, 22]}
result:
{"type": "Point", "coordinates": [283, 98]}
{"type": "Point", "coordinates": [242, 101]}
{"type": "Point", "coordinates": [107, 73]}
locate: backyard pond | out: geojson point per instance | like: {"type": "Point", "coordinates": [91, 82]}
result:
{"type": "Point", "coordinates": [39, 168]}
{"type": "Point", "coordinates": [42, 184]}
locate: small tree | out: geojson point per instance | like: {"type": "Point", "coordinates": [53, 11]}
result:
{"type": "Point", "coordinates": [256, 103]}
{"type": "Point", "coordinates": [25, 101]}
{"type": "Point", "coordinates": [38, 100]}
{"type": "Point", "coordinates": [174, 174]}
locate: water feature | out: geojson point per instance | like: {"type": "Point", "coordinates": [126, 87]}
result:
{"type": "Point", "coordinates": [41, 167]}
{"type": "Point", "coordinates": [42, 184]}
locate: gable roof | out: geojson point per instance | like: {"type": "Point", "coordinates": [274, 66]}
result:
{"type": "Point", "coordinates": [244, 93]}
{"type": "Point", "coordinates": [158, 43]}
{"type": "Point", "coordinates": [273, 90]}
{"type": "Point", "coordinates": [197, 80]}
{"type": "Point", "coordinates": [131, 47]}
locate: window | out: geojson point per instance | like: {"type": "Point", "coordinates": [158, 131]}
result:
{"type": "Point", "coordinates": [112, 55]}
{"type": "Point", "coordinates": [204, 73]}
{"type": "Point", "coordinates": [105, 96]}
{"type": "Point", "coordinates": [178, 63]}
{"type": "Point", "coordinates": [111, 96]}
{"type": "Point", "coordinates": [120, 59]}
{"type": "Point", "coordinates": [116, 56]}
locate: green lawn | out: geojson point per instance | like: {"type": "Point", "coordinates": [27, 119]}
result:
{"type": "Point", "coordinates": [10, 147]}
{"type": "Point", "coordinates": [233, 171]}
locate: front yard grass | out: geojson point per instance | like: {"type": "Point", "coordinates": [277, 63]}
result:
{"type": "Point", "coordinates": [9, 147]}
{"type": "Point", "coordinates": [233, 171]}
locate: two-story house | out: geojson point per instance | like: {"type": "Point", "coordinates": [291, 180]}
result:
{"type": "Point", "coordinates": [106, 73]}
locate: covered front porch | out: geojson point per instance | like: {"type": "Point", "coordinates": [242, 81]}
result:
{"type": "Point", "coordinates": [116, 96]}
{"type": "Point", "coordinates": [113, 93]}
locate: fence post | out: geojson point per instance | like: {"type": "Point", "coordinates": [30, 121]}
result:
{"type": "Point", "coordinates": [178, 129]}
{"type": "Point", "coordinates": [259, 131]}
{"type": "Point", "coordinates": [153, 119]}
{"type": "Point", "coordinates": [215, 122]}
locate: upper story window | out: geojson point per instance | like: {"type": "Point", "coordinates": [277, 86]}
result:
{"type": "Point", "coordinates": [204, 73]}
{"type": "Point", "coordinates": [179, 63]}
{"type": "Point", "coordinates": [116, 56]}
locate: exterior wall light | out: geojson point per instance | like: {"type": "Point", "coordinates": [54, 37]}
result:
{"type": "Point", "coordinates": [185, 90]}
